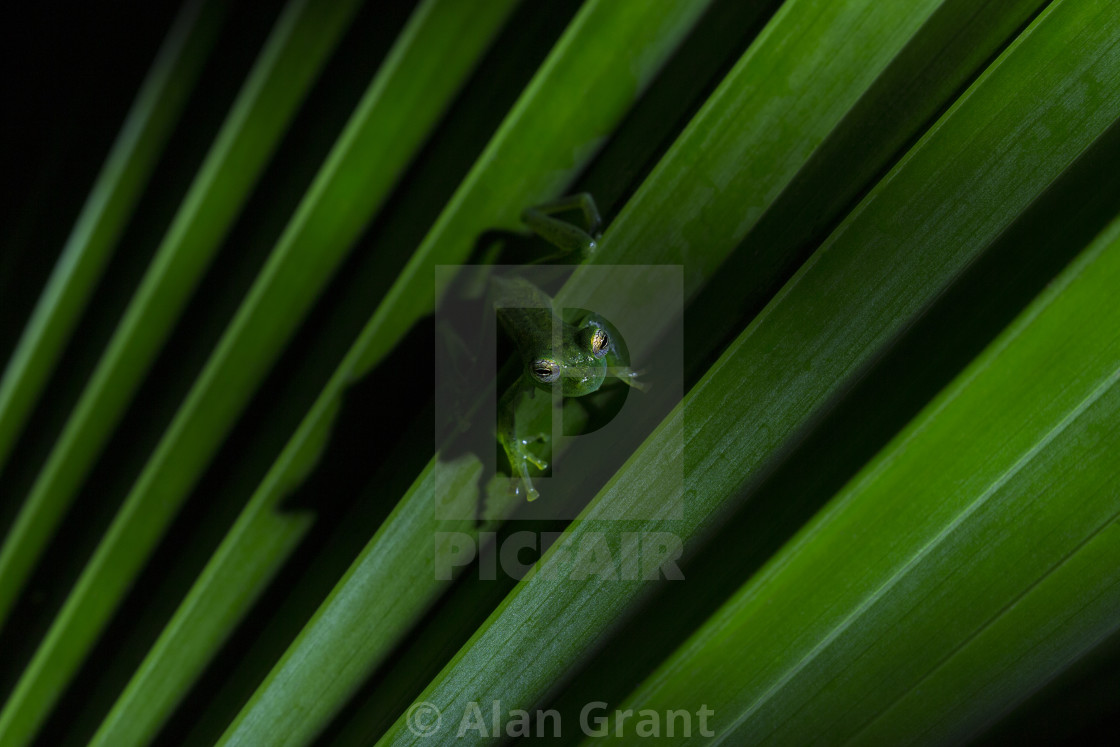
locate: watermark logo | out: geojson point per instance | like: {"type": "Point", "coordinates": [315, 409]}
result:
{"type": "Point", "coordinates": [630, 556]}
{"type": "Point", "coordinates": [423, 719]}
{"type": "Point", "coordinates": [596, 719]}
{"type": "Point", "coordinates": [546, 377]}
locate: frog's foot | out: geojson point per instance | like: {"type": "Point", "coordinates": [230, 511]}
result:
{"type": "Point", "coordinates": [536, 462]}
{"type": "Point", "coordinates": [529, 456]}
{"type": "Point", "coordinates": [525, 485]}
{"type": "Point", "coordinates": [520, 457]}
{"type": "Point", "coordinates": [629, 376]}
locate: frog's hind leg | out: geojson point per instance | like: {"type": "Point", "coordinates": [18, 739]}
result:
{"type": "Point", "coordinates": [519, 465]}
{"type": "Point", "coordinates": [565, 235]}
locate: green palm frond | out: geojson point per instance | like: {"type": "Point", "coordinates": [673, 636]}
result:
{"type": "Point", "coordinates": [875, 501]}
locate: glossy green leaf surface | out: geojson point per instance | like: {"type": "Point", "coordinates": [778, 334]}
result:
{"type": "Point", "coordinates": [1027, 501]}
{"type": "Point", "coordinates": [595, 32]}
{"type": "Point", "coordinates": [861, 288]}
{"type": "Point", "coordinates": [111, 202]}
{"type": "Point", "coordinates": [863, 255]}
{"type": "Point", "coordinates": [399, 108]}
{"type": "Point", "coordinates": [411, 538]}
{"type": "Point", "coordinates": [303, 37]}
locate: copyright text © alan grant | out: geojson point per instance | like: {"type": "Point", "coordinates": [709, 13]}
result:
{"type": "Point", "coordinates": [595, 720]}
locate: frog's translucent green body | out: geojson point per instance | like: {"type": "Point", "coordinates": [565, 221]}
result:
{"type": "Point", "coordinates": [574, 359]}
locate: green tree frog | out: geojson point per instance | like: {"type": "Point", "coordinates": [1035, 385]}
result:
{"type": "Point", "coordinates": [573, 358]}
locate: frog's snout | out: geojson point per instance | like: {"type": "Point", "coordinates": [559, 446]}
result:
{"type": "Point", "coordinates": [583, 379]}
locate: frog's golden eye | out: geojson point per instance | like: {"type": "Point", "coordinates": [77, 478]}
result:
{"type": "Point", "coordinates": [600, 343]}
{"type": "Point", "coordinates": [544, 370]}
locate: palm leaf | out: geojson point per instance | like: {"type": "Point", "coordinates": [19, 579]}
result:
{"type": "Point", "coordinates": [881, 464]}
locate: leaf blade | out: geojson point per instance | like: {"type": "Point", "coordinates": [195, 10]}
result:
{"type": "Point", "coordinates": [975, 536]}
{"type": "Point", "coordinates": [763, 378]}
{"type": "Point", "coordinates": [112, 199]}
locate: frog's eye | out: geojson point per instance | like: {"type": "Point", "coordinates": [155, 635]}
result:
{"type": "Point", "coordinates": [600, 343]}
{"type": "Point", "coordinates": [544, 370]}
{"type": "Point", "coordinates": [595, 340]}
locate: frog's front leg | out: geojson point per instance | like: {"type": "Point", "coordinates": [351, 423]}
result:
{"type": "Point", "coordinates": [628, 376]}
{"type": "Point", "coordinates": [515, 445]}
{"type": "Point", "coordinates": [602, 340]}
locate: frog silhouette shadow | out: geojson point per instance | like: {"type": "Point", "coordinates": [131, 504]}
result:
{"type": "Point", "coordinates": [413, 385]}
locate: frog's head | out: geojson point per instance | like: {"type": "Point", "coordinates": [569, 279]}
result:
{"type": "Point", "coordinates": [581, 365]}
